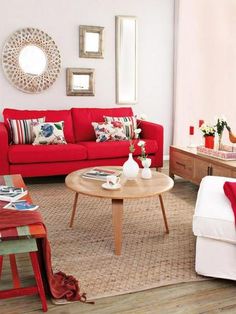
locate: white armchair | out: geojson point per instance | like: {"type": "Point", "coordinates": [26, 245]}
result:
{"type": "Point", "coordinates": [214, 226]}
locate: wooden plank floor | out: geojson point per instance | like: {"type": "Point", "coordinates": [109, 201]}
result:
{"type": "Point", "coordinates": [205, 297]}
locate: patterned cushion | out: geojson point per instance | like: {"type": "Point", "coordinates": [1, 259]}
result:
{"type": "Point", "coordinates": [129, 124]}
{"type": "Point", "coordinates": [49, 133]}
{"type": "Point", "coordinates": [22, 130]}
{"type": "Point", "coordinates": [112, 131]}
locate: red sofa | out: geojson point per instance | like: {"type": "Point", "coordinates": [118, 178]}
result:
{"type": "Point", "coordinates": [81, 151]}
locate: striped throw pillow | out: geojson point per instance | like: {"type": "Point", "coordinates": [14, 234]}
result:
{"type": "Point", "coordinates": [129, 124]}
{"type": "Point", "coordinates": [22, 130]}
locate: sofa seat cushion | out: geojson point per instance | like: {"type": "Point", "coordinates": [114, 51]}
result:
{"type": "Point", "coordinates": [50, 116]}
{"type": "Point", "coordinates": [83, 118]}
{"type": "Point", "coordinates": [23, 154]}
{"type": "Point", "coordinates": [114, 149]}
{"type": "Point", "coordinates": [213, 217]}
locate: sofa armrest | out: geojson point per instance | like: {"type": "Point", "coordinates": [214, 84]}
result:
{"type": "Point", "coordinates": [153, 131]}
{"type": "Point", "coordinates": [4, 164]}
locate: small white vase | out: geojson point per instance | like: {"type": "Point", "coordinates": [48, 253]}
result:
{"type": "Point", "coordinates": [146, 171]}
{"type": "Point", "coordinates": [130, 168]}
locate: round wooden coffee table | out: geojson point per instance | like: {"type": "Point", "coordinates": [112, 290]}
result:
{"type": "Point", "coordinates": [139, 188]}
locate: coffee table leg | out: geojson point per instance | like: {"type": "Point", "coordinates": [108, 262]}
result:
{"type": "Point", "coordinates": [163, 213]}
{"type": "Point", "coordinates": [117, 216]}
{"type": "Point", "coordinates": [74, 209]}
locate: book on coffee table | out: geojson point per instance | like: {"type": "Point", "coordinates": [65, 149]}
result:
{"type": "Point", "coordinates": [11, 193]}
{"type": "Point", "coordinates": [21, 205]}
{"type": "Point", "coordinates": [100, 174]}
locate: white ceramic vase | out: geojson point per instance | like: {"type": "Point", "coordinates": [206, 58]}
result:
{"type": "Point", "coordinates": [146, 171]}
{"type": "Point", "coordinates": [130, 168]}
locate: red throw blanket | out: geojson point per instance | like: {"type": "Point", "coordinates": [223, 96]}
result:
{"type": "Point", "coordinates": [230, 192]}
{"type": "Point", "coordinates": [60, 285]}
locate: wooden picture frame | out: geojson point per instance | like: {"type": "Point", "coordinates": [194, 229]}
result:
{"type": "Point", "coordinates": [80, 82]}
{"type": "Point", "coordinates": [91, 41]}
{"type": "Point", "coordinates": [126, 60]}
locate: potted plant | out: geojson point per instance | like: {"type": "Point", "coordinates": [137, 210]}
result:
{"type": "Point", "coordinates": [209, 134]}
{"type": "Point", "coordinates": [221, 123]}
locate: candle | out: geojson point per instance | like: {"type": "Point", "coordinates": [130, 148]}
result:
{"type": "Point", "coordinates": [200, 123]}
{"type": "Point", "coordinates": [191, 130]}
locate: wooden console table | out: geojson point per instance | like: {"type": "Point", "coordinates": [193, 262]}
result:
{"type": "Point", "coordinates": [186, 163]}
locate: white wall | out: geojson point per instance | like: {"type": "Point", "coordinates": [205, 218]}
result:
{"type": "Point", "coordinates": [61, 19]}
{"type": "Point", "coordinates": [206, 65]}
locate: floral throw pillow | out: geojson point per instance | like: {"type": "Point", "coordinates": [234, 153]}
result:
{"type": "Point", "coordinates": [49, 133]}
{"type": "Point", "coordinates": [129, 124]}
{"type": "Point", "coordinates": [112, 131]}
{"type": "Point", "coordinates": [22, 130]}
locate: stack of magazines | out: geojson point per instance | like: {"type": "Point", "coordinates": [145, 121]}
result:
{"type": "Point", "coordinates": [100, 174]}
{"type": "Point", "coordinates": [11, 193]}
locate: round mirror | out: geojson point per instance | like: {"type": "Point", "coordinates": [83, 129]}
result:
{"type": "Point", "coordinates": [32, 60]}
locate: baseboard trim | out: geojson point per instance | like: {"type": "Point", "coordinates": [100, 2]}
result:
{"type": "Point", "coordinates": [166, 157]}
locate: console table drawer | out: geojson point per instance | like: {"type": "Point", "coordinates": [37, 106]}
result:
{"type": "Point", "coordinates": [181, 164]}
{"type": "Point", "coordinates": [233, 174]}
{"type": "Point", "coordinates": [220, 171]}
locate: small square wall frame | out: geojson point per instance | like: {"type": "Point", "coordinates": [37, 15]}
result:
{"type": "Point", "coordinates": [80, 82]}
{"type": "Point", "coordinates": [91, 41]}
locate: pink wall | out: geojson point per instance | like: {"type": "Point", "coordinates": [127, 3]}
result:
{"type": "Point", "coordinates": [205, 78]}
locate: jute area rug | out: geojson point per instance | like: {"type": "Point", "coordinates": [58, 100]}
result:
{"type": "Point", "coordinates": [150, 258]}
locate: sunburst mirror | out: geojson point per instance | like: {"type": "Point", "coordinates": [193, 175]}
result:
{"type": "Point", "coordinates": [31, 60]}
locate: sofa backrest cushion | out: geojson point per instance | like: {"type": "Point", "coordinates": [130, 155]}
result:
{"type": "Point", "coordinates": [83, 118]}
{"type": "Point", "coordinates": [50, 116]}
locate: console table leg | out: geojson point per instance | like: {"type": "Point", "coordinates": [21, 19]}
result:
{"type": "Point", "coordinates": [163, 213]}
{"type": "Point", "coordinates": [74, 209]}
{"type": "Point", "coordinates": [117, 216]}
{"type": "Point", "coordinates": [1, 262]}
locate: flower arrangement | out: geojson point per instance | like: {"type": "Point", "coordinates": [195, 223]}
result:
{"type": "Point", "coordinates": [143, 150]}
{"type": "Point", "coordinates": [208, 130]}
{"type": "Point", "coordinates": [133, 141]}
{"type": "Point", "coordinates": [137, 132]}
{"type": "Point", "coordinates": [221, 123]}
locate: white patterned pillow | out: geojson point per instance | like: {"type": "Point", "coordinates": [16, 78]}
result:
{"type": "Point", "coordinates": [112, 131]}
{"type": "Point", "coordinates": [22, 130]}
{"type": "Point", "coordinates": [129, 124]}
{"type": "Point", "coordinates": [49, 133]}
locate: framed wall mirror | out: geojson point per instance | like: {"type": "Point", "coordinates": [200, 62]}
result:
{"type": "Point", "coordinates": [91, 41]}
{"type": "Point", "coordinates": [31, 60]}
{"type": "Point", "coordinates": [80, 82]}
{"type": "Point", "coordinates": [126, 60]}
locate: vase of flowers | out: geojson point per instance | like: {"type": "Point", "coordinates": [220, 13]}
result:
{"type": "Point", "coordinates": [209, 135]}
{"type": "Point", "coordinates": [221, 123]}
{"type": "Point", "coordinates": [130, 167]}
{"type": "Point", "coordinates": [209, 141]}
{"type": "Point", "coordinates": [146, 162]}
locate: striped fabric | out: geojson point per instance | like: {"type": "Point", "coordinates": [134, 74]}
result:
{"type": "Point", "coordinates": [129, 124]}
{"type": "Point", "coordinates": [19, 232]}
{"type": "Point", "coordinates": [21, 130]}
{"type": "Point", "coordinates": [23, 232]}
